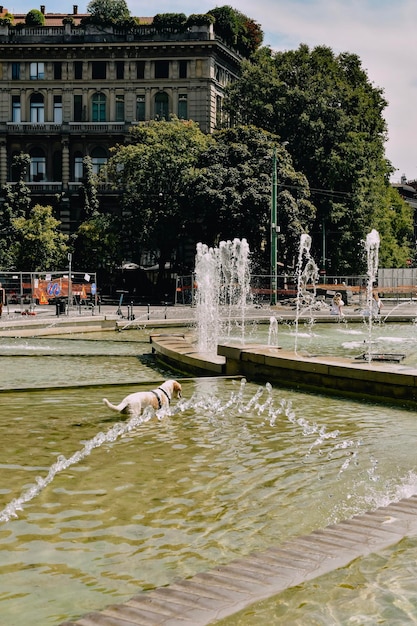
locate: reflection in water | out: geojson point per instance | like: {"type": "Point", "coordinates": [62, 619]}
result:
{"type": "Point", "coordinates": [232, 469]}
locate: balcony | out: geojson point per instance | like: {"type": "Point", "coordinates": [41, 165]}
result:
{"type": "Point", "coordinates": [51, 128]}
{"type": "Point", "coordinates": [19, 128]}
{"type": "Point", "coordinates": [109, 128]}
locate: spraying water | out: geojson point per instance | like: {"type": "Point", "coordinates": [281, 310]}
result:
{"type": "Point", "coordinates": [307, 274]}
{"type": "Point", "coordinates": [372, 253]}
{"type": "Point", "coordinates": [223, 290]}
{"type": "Point", "coordinates": [62, 463]}
{"type": "Point", "coordinates": [273, 331]}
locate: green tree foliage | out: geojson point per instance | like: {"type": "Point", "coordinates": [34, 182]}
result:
{"type": "Point", "coordinates": [39, 245]}
{"type": "Point", "coordinates": [107, 12]}
{"type": "Point", "coordinates": [35, 18]}
{"type": "Point", "coordinates": [170, 21]}
{"type": "Point", "coordinates": [154, 172]}
{"type": "Point", "coordinates": [16, 203]}
{"type": "Point", "coordinates": [332, 117]}
{"type": "Point", "coordinates": [89, 189]}
{"type": "Point", "coordinates": [98, 243]}
{"type": "Point", "coordinates": [231, 194]}
{"type": "Point", "coordinates": [237, 30]}
{"type": "Point", "coordinates": [393, 218]}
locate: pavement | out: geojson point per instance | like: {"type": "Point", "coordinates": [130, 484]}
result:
{"type": "Point", "coordinates": [15, 316]}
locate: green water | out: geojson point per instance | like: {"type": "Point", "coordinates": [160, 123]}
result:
{"type": "Point", "coordinates": [232, 469]}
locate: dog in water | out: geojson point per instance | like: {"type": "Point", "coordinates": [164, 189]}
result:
{"type": "Point", "coordinates": [159, 398]}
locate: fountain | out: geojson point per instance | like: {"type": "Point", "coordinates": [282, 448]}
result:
{"type": "Point", "coordinates": [372, 254]}
{"type": "Point", "coordinates": [226, 472]}
{"type": "Point", "coordinates": [307, 274]}
{"type": "Point", "coordinates": [223, 291]}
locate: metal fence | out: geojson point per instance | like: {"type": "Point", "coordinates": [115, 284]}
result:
{"type": "Point", "coordinates": [392, 284]}
{"type": "Point", "coordinates": [28, 289]}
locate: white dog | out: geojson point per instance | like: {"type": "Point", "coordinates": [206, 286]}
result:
{"type": "Point", "coordinates": [158, 398]}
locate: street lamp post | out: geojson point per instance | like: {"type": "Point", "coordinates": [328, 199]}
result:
{"type": "Point", "coordinates": [275, 227]}
{"type": "Point", "coordinates": [274, 230]}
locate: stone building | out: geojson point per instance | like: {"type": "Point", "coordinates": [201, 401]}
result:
{"type": "Point", "coordinates": [67, 91]}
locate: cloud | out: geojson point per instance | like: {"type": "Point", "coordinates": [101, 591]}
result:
{"type": "Point", "coordinates": [380, 32]}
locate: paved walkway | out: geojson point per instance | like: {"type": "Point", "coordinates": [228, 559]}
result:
{"type": "Point", "coordinates": [216, 594]}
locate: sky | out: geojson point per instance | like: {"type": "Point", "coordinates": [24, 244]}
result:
{"type": "Point", "coordinates": [381, 32]}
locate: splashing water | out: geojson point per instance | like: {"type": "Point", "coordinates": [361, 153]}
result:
{"type": "Point", "coordinates": [223, 290]}
{"type": "Point", "coordinates": [372, 254]}
{"type": "Point", "coordinates": [273, 331]}
{"type": "Point", "coordinates": [62, 463]}
{"type": "Point", "coordinates": [307, 274]}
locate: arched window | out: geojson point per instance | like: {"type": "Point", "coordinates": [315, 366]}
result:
{"type": "Point", "coordinates": [98, 111]}
{"type": "Point", "coordinates": [161, 106]}
{"type": "Point", "coordinates": [37, 108]}
{"type": "Point", "coordinates": [37, 170]}
{"type": "Point", "coordinates": [98, 159]}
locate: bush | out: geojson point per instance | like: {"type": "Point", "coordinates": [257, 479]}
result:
{"type": "Point", "coordinates": [200, 19]}
{"type": "Point", "coordinates": [170, 21]}
{"type": "Point", "coordinates": [35, 18]}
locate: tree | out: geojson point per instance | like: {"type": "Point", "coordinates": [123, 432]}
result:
{"type": "Point", "coordinates": [39, 245]}
{"type": "Point", "coordinates": [16, 203]}
{"type": "Point", "coordinates": [98, 244]}
{"type": "Point", "coordinates": [35, 18]}
{"type": "Point", "coordinates": [89, 189]}
{"type": "Point", "coordinates": [237, 30]}
{"type": "Point", "coordinates": [331, 116]}
{"type": "Point", "coordinates": [108, 11]}
{"type": "Point", "coordinates": [231, 194]}
{"type": "Point", "coordinates": [154, 172]}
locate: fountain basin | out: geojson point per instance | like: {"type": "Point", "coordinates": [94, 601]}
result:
{"type": "Point", "coordinates": [376, 381]}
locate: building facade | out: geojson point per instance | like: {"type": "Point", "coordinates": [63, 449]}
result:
{"type": "Point", "coordinates": [68, 91]}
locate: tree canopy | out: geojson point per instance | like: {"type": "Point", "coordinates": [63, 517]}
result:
{"type": "Point", "coordinates": [238, 30]}
{"type": "Point", "coordinates": [39, 245]}
{"type": "Point", "coordinates": [108, 11]}
{"type": "Point", "coordinates": [232, 189]}
{"type": "Point", "coordinates": [153, 173]}
{"type": "Point", "coordinates": [332, 117]}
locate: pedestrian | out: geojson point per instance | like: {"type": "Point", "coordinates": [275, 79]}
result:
{"type": "Point", "coordinates": [337, 305]}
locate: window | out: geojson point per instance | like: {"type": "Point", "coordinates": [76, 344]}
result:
{"type": "Point", "coordinates": [15, 71]}
{"type": "Point", "coordinates": [98, 70]}
{"type": "Point", "coordinates": [182, 107]}
{"type": "Point", "coordinates": [120, 108]}
{"type": "Point", "coordinates": [58, 109]}
{"type": "Point", "coordinates": [78, 167]}
{"type": "Point", "coordinates": [161, 106]}
{"type": "Point", "coordinates": [98, 113]}
{"type": "Point", "coordinates": [78, 70]}
{"type": "Point", "coordinates": [37, 165]}
{"type": "Point", "coordinates": [183, 69]}
{"type": "Point", "coordinates": [37, 109]}
{"type": "Point", "coordinates": [161, 69]}
{"type": "Point", "coordinates": [78, 108]}
{"type": "Point", "coordinates": [37, 71]}
{"type": "Point", "coordinates": [120, 70]}
{"type": "Point", "coordinates": [98, 159]}
{"type": "Point", "coordinates": [16, 109]}
{"type": "Point", "coordinates": [140, 70]}
{"type": "Point", "coordinates": [140, 108]}
{"type": "Point", "coordinates": [57, 70]}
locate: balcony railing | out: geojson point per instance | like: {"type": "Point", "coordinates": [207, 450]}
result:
{"type": "Point", "coordinates": [98, 127]}
{"type": "Point", "coordinates": [30, 127]}
{"type": "Point", "coordinates": [71, 127]}
{"type": "Point", "coordinates": [55, 186]}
